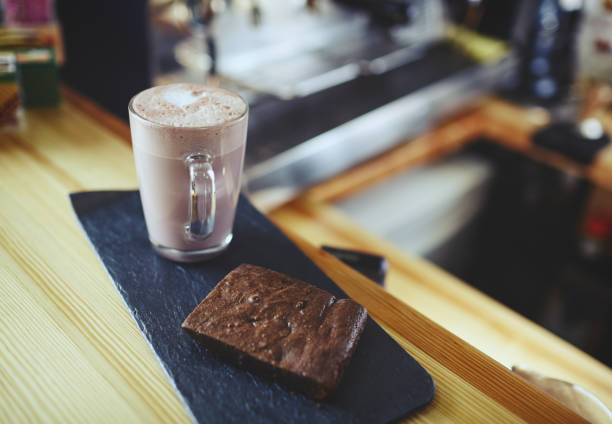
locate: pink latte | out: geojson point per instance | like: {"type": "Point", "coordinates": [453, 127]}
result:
{"type": "Point", "coordinates": [170, 123]}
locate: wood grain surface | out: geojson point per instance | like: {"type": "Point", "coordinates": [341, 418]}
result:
{"type": "Point", "coordinates": [70, 352]}
{"type": "Point", "coordinates": [485, 323]}
{"type": "Point", "coordinates": [451, 358]}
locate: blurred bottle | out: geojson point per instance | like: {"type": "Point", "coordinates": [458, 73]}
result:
{"type": "Point", "coordinates": [11, 113]}
{"type": "Point", "coordinates": [595, 237]}
{"type": "Point", "coordinates": [27, 12]}
{"type": "Point", "coordinates": [595, 230]}
{"type": "Point", "coordinates": [595, 41]}
{"type": "Point", "coordinates": [595, 57]}
{"type": "Point", "coordinates": [545, 35]}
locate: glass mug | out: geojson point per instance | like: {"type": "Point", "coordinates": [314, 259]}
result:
{"type": "Point", "coordinates": [188, 173]}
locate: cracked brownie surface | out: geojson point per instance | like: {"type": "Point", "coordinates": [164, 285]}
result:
{"type": "Point", "coordinates": [280, 327]}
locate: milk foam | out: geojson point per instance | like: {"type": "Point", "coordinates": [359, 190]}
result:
{"type": "Point", "coordinates": [188, 105]}
{"type": "Point", "coordinates": [181, 98]}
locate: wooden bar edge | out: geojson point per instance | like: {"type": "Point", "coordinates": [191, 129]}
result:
{"type": "Point", "coordinates": [473, 366]}
{"type": "Point", "coordinates": [98, 113]}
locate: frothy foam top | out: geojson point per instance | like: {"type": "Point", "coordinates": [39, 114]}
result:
{"type": "Point", "coordinates": [188, 105]}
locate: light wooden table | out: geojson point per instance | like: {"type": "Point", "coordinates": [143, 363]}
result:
{"type": "Point", "coordinates": [70, 351]}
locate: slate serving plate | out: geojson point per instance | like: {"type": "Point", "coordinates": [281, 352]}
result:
{"type": "Point", "coordinates": [381, 384]}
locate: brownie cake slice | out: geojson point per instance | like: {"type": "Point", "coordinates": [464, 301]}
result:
{"type": "Point", "coordinates": [279, 327]}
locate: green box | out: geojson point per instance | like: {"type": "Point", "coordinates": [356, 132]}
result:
{"type": "Point", "coordinates": [39, 77]}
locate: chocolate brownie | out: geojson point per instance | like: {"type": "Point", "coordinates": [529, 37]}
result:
{"type": "Point", "coordinates": [279, 327]}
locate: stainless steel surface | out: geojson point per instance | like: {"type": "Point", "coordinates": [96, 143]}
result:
{"type": "Point", "coordinates": [295, 51]}
{"type": "Point", "coordinates": [277, 179]}
{"type": "Point", "coordinates": [422, 208]}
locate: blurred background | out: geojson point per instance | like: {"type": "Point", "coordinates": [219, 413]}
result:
{"type": "Point", "coordinates": [334, 84]}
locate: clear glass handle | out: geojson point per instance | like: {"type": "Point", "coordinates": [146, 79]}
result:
{"type": "Point", "coordinates": [202, 197]}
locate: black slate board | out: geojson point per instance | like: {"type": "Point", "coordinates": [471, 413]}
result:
{"type": "Point", "coordinates": [381, 384]}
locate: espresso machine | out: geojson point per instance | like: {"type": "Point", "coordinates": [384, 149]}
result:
{"type": "Point", "coordinates": [330, 84]}
{"type": "Point", "coordinates": [294, 49]}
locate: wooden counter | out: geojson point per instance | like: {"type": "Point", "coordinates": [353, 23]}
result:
{"type": "Point", "coordinates": [72, 353]}
{"type": "Point", "coordinates": [485, 323]}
